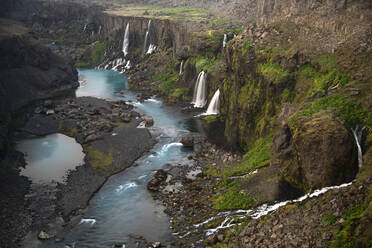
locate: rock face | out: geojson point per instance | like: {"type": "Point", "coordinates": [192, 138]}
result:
{"type": "Point", "coordinates": [319, 153]}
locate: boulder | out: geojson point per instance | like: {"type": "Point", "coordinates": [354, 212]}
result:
{"type": "Point", "coordinates": [149, 121]}
{"type": "Point", "coordinates": [319, 152]}
{"type": "Point", "coordinates": [159, 177]}
{"type": "Point", "coordinates": [188, 141]}
{"type": "Point", "coordinates": [44, 236]}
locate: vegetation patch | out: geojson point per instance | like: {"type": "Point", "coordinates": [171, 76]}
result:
{"type": "Point", "coordinates": [97, 55]}
{"type": "Point", "coordinates": [328, 219]}
{"type": "Point", "coordinates": [179, 92]}
{"type": "Point", "coordinates": [204, 63]}
{"type": "Point", "coordinates": [99, 160]}
{"type": "Point", "coordinates": [257, 157]}
{"type": "Point", "coordinates": [210, 118]}
{"type": "Point", "coordinates": [273, 72]}
{"type": "Point", "coordinates": [346, 237]}
{"type": "Point", "coordinates": [229, 197]}
{"type": "Point", "coordinates": [341, 106]}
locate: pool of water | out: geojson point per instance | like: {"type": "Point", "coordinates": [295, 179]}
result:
{"type": "Point", "coordinates": [123, 206]}
{"type": "Point", "coordinates": [50, 158]}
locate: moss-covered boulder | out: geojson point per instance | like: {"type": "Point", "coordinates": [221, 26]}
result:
{"type": "Point", "coordinates": [319, 152]}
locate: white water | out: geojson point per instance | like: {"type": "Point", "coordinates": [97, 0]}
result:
{"type": "Point", "coordinates": [181, 67]}
{"type": "Point", "coordinates": [257, 212]}
{"type": "Point", "coordinates": [127, 66]}
{"type": "Point", "coordinates": [152, 49]}
{"type": "Point", "coordinates": [200, 91]}
{"type": "Point", "coordinates": [88, 221]}
{"type": "Point", "coordinates": [146, 37]}
{"type": "Point", "coordinates": [358, 132]}
{"type": "Point", "coordinates": [214, 105]}
{"type": "Point", "coordinates": [126, 41]}
{"type": "Point", "coordinates": [224, 40]}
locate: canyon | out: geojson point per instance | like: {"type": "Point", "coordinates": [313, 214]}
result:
{"type": "Point", "coordinates": [280, 89]}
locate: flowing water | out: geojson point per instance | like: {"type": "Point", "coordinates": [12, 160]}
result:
{"type": "Point", "coordinates": [200, 91]}
{"type": "Point", "coordinates": [126, 41]}
{"type": "Point", "coordinates": [214, 106]}
{"type": "Point", "coordinates": [123, 206]}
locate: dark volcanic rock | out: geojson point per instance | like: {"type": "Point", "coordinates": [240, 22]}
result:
{"type": "Point", "coordinates": [319, 153]}
{"type": "Point", "coordinates": [188, 141]}
{"type": "Point", "coordinates": [159, 177]}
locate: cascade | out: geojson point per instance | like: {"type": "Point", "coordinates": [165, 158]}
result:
{"type": "Point", "coordinates": [85, 27]}
{"type": "Point", "coordinates": [126, 41]}
{"type": "Point", "coordinates": [146, 37]}
{"type": "Point", "coordinates": [224, 40]}
{"type": "Point", "coordinates": [214, 105]}
{"type": "Point", "coordinates": [181, 67]}
{"type": "Point", "coordinates": [99, 29]}
{"type": "Point", "coordinates": [357, 133]}
{"type": "Point", "coordinates": [200, 91]}
{"type": "Point", "coordinates": [127, 66]}
{"type": "Point", "coordinates": [152, 49]}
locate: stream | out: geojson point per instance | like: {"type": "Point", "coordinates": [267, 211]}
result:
{"type": "Point", "coordinates": [123, 207]}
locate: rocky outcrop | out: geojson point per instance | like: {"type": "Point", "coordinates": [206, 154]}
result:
{"type": "Point", "coordinates": [320, 152]}
{"type": "Point", "coordinates": [29, 72]}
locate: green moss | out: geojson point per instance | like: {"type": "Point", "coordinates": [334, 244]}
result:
{"type": "Point", "coordinates": [328, 219]}
{"type": "Point", "coordinates": [167, 82]}
{"type": "Point", "coordinates": [346, 237]}
{"type": "Point", "coordinates": [179, 92]}
{"type": "Point", "coordinates": [207, 62]}
{"type": "Point", "coordinates": [96, 57]}
{"type": "Point", "coordinates": [210, 118]}
{"type": "Point", "coordinates": [341, 106]}
{"type": "Point", "coordinates": [99, 160]}
{"type": "Point", "coordinates": [230, 197]}
{"type": "Point", "coordinates": [259, 155]}
{"type": "Point", "coordinates": [273, 72]}
{"type": "Point", "coordinates": [246, 46]}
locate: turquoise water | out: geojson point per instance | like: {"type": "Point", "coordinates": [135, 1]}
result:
{"type": "Point", "coordinates": [101, 83]}
{"type": "Point", "coordinates": [46, 157]}
{"type": "Point", "coordinates": [123, 206]}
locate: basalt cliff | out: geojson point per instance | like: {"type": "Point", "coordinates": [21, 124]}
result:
{"type": "Point", "coordinates": [294, 116]}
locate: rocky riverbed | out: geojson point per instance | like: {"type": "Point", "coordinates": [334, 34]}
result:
{"type": "Point", "coordinates": [102, 128]}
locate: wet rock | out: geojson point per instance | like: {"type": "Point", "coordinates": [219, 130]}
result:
{"type": "Point", "coordinates": [188, 141]}
{"type": "Point", "coordinates": [149, 121]}
{"type": "Point", "coordinates": [44, 236]}
{"type": "Point", "coordinates": [159, 177]}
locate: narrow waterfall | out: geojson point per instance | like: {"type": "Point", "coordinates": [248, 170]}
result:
{"type": "Point", "coordinates": [85, 27]}
{"type": "Point", "coordinates": [147, 36]}
{"type": "Point", "coordinates": [126, 41]}
{"type": "Point", "coordinates": [181, 67]}
{"type": "Point", "coordinates": [214, 105]}
{"type": "Point", "coordinates": [224, 40]}
{"type": "Point", "coordinates": [99, 29]}
{"type": "Point", "coordinates": [200, 91]}
{"type": "Point", "coordinates": [358, 132]}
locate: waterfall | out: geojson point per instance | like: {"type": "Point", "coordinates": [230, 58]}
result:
{"type": "Point", "coordinates": [127, 66]}
{"type": "Point", "coordinates": [224, 40]}
{"type": "Point", "coordinates": [358, 132]}
{"type": "Point", "coordinates": [146, 37]}
{"type": "Point", "coordinates": [181, 67]}
{"type": "Point", "coordinates": [152, 48]}
{"type": "Point", "coordinates": [85, 27]}
{"type": "Point", "coordinates": [126, 41]}
{"type": "Point", "coordinates": [200, 91]}
{"type": "Point", "coordinates": [99, 29]}
{"type": "Point", "coordinates": [214, 105]}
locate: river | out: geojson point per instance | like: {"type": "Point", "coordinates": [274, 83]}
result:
{"type": "Point", "coordinates": [123, 207]}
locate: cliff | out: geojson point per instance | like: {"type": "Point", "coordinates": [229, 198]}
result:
{"type": "Point", "coordinates": [29, 72]}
